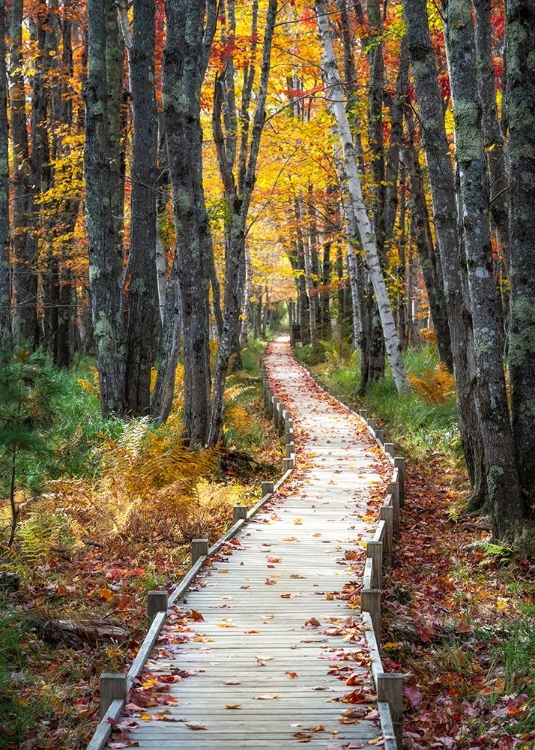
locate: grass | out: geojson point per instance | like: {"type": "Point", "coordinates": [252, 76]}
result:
{"type": "Point", "coordinates": [417, 426]}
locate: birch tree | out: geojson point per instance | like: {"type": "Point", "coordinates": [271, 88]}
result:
{"type": "Point", "coordinates": [335, 96]}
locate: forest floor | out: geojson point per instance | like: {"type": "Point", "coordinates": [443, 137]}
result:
{"type": "Point", "coordinates": [459, 613]}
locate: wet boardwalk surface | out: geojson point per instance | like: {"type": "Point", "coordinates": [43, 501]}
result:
{"type": "Point", "coordinates": [264, 651]}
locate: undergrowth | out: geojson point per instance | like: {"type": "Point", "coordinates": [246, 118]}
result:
{"type": "Point", "coordinates": [108, 518]}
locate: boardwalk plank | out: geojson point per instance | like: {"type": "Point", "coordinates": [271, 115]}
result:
{"type": "Point", "coordinates": [283, 578]}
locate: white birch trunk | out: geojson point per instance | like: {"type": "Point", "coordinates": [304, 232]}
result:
{"type": "Point", "coordinates": [335, 95]}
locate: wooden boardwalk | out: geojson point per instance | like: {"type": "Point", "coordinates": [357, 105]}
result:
{"type": "Point", "coordinates": [263, 652]}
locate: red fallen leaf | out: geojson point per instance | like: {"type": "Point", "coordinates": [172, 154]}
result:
{"type": "Point", "coordinates": [270, 582]}
{"type": "Point", "coordinates": [354, 679]}
{"type": "Point", "coordinates": [270, 566]}
{"type": "Point", "coordinates": [312, 623]}
{"type": "Point", "coordinates": [413, 694]}
{"type": "Point", "coordinates": [291, 675]}
{"type": "Point", "coordinates": [170, 678]}
{"type": "Point", "coordinates": [357, 696]}
{"type": "Point", "coordinates": [274, 559]}
{"type": "Point", "coordinates": [196, 616]}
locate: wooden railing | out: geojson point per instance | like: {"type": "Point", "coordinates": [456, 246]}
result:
{"type": "Point", "coordinates": [115, 687]}
{"type": "Point", "coordinates": [389, 685]}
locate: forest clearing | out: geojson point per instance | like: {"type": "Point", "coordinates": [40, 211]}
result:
{"type": "Point", "coordinates": [182, 181]}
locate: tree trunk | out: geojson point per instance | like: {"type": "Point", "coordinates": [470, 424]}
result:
{"type": "Point", "coordinates": [503, 490]}
{"type": "Point", "coordinates": [162, 399]}
{"type": "Point", "coordinates": [520, 34]}
{"type": "Point", "coordinates": [442, 186]}
{"type": "Point", "coordinates": [430, 263]}
{"type": "Point", "coordinates": [336, 99]}
{"type": "Point", "coordinates": [24, 270]}
{"type": "Point", "coordinates": [190, 30]}
{"type": "Point", "coordinates": [239, 192]}
{"type": "Point", "coordinates": [105, 261]}
{"type": "Point", "coordinates": [142, 287]}
{"type": "Point", "coordinates": [6, 341]}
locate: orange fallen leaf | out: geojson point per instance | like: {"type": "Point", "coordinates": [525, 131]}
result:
{"type": "Point", "coordinates": [292, 675]}
{"type": "Point", "coordinates": [196, 616]}
{"type": "Point", "coordinates": [105, 594]}
{"type": "Point", "coordinates": [233, 705]}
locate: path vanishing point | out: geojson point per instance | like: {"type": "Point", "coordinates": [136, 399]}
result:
{"type": "Point", "coordinates": [263, 651]}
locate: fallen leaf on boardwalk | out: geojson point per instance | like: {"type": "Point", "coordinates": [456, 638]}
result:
{"type": "Point", "coordinates": [233, 705]}
{"type": "Point", "coordinates": [274, 559]}
{"type": "Point", "coordinates": [302, 737]}
{"type": "Point", "coordinates": [312, 623]}
{"type": "Point", "coordinates": [203, 639]}
{"type": "Point", "coordinates": [317, 728]}
{"type": "Point", "coordinates": [223, 571]}
{"type": "Point", "coordinates": [196, 616]}
{"type": "Point", "coordinates": [261, 657]}
{"type": "Point", "coordinates": [298, 521]}
{"type": "Point", "coordinates": [245, 587]}
{"type": "Point", "coordinates": [231, 682]}
{"type": "Point", "coordinates": [226, 624]}
{"type": "Point", "coordinates": [270, 582]}
{"type": "Point", "coordinates": [249, 632]}
{"type": "Point", "coordinates": [296, 575]}
{"type": "Point", "coordinates": [289, 539]}
{"type": "Point", "coordinates": [266, 697]}
{"type": "Point", "coordinates": [292, 675]}
{"type": "Point", "coordinates": [317, 533]}
{"type": "Point", "coordinates": [195, 726]}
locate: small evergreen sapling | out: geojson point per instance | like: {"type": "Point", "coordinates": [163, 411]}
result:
{"type": "Point", "coordinates": [29, 385]}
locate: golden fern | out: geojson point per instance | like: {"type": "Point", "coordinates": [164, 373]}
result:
{"type": "Point", "coordinates": [436, 386]}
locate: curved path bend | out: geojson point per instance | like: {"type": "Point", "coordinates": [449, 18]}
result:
{"type": "Point", "coordinates": [264, 652]}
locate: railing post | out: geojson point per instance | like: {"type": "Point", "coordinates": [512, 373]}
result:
{"type": "Point", "coordinates": [393, 489]}
{"type": "Point", "coordinates": [290, 448]}
{"type": "Point", "coordinates": [386, 514]}
{"type": "Point", "coordinates": [370, 601]}
{"type": "Point", "coordinates": [380, 436]}
{"type": "Point", "coordinates": [199, 548]}
{"type": "Point", "coordinates": [389, 448]}
{"type": "Point", "coordinates": [375, 551]}
{"type": "Point", "coordinates": [156, 603]}
{"type": "Point", "coordinates": [390, 690]}
{"type": "Point", "coordinates": [267, 488]}
{"type": "Point", "coordinates": [371, 423]}
{"type": "Point", "coordinates": [239, 512]}
{"type": "Point", "coordinates": [287, 464]}
{"type": "Point", "coordinates": [399, 464]}
{"type": "Point", "coordinates": [364, 414]}
{"type": "Point", "coordinates": [112, 688]}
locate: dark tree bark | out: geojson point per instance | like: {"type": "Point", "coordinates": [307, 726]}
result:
{"type": "Point", "coordinates": [24, 275]}
{"type": "Point", "coordinates": [429, 260]}
{"type": "Point", "coordinates": [6, 340]}
{"type": "Point", "coordinates": [493, 139]}
{"type": "Point", "coordinates": [105, 258]}
{"type": "Point", "coordinates": [142, 289]}
{"type": "Point", "coordinates": [190, 30]}
{"type": "Point", "coordinates": [503, 491]}
{"type": "Point", "coordinates": [520, 35]}
{"type": "Point", "coordinates": [442, 184]}
{"type": "Point", "coordinates": [238, 192]}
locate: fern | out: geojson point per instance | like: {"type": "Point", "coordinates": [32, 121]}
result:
{"type": "Point", "coordinates": [436, 386]}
